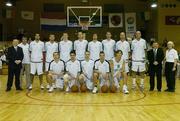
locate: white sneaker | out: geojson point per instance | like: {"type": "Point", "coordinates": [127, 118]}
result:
{"type": "Point", "coordinates": [54, 86]}
{"type": "Point", "coordinates": [47, 87]}
{"type": "Point", "coordinates": [95, 90]}
{"type": "Point", "coordinates": [42, 87]}
{"type": "Point", "coordinates": [30, 87]}
{"type": "Point", "coordinates": [67, 89]}
{"type": "Point", "coordinates": [51, 89]}
{"type": "Point", "coordinates": [125, 90]}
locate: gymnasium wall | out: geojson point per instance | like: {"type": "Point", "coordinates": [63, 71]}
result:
{"type": "Point", "coordinates": [171, 32]}
{"type": "Point", "coordinates": [32, 27]}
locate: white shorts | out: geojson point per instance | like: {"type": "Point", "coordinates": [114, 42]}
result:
{"type": "Point", "coordinates": [36, 67]}
{"type": "Point", "coordinates": [89, 83]}
{"type": "Point", "coordinates": [71, 81]}
{"type": "Point", "coordinates": [138, 67]}
{"type": "Point", "coordinates": [47, 66]}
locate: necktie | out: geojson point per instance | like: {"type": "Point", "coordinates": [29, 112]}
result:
{"type": "Point", "coordinates": [155, 53]}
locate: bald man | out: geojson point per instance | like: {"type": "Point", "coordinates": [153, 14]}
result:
{"type": "Point", "coordinates": [14, 56]}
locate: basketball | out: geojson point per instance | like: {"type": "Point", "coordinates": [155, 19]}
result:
{"type": "Point", "coordinates": [74, 88]}
{"type": "Point", "coordinates": [104, 89]}
{"type": "Point", "coordinates": [83, 88]}
{"type": "Point", "coordinates": [113, 89]}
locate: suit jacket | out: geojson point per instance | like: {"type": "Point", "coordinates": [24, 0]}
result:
{"type": "Point", "coordinates": [159, 57]}
{"type": "Point", "coordinates": [13, 55]}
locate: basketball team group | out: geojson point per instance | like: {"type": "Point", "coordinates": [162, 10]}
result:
{"type": "Point", "coordinates": [93, 66]}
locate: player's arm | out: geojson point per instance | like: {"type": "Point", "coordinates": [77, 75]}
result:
{"type": "Point", "coordinates": [111, 66]}
{"type": "Point", "coordinates": [96, 68]}
{"type": "Point", "coordinates": [79, 71]}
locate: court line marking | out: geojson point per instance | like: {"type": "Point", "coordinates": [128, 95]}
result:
{"type": "Point", "coordinates": [111, 104]}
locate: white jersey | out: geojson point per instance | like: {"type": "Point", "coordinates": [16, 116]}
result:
{"type": "Point", "coordinates": [138, 50]}
{"type": "Point", "coordinates": [25, 48]}
{"type": "Point", "coordinates": [87, 67]}
{"type": "Point", "coordinates": [65, 48]}
{"type": "Point", "coordinates": [50, 48]}
{"type": "Point", "coordinates": [117, 66]}
{"type": "Point", "coordinates": [102, 67]}
{"type": "Point", "coordinates": [171, 55]}
{"type": "Point", "coordinates": [108, 47]}
{"type": "Point", "coordinates": [36, 49]}
{"type": "Point", "coordinates": [80, 48]}
{"type": "Point", "coordinates": [73, 67]}
{"type": "Point", "coordinates": [124, 47]}
{"type": "Point", "coordinates": [94, 48]}
{"type": "Point", "coordinates": [57, 67]}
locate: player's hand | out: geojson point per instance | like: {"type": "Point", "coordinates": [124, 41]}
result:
{"type": "Point", "coordinates": [17, 62]}
{"type": "Point", "coordinates": [174, 69]}
{"type": "Point", "coordinates": [155, 63]}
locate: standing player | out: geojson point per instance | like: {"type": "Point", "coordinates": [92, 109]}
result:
{"type": "Point", "coordinates": [36, 49]}
{"type": "Point", "coordinates": [138, 59]}
{"type": "Point", "coordinates": [124, 46]}
{"type": "Point", "coordinates": [118, 71]}
{"type": "Point", "coordinates": [87, 71]}
{"type": "Point", "coordinates": [56, 72]}
{"type": "Point", "coordinates": [26, 62]}
{"type": "Point", "coordinates": [108, 46]}
{"type": "Point", "coordinates": [50, 48]}
{"type": "Point", "coordinates": [65, 47]}
{"type": "Point", "coordinates": [80, 46]}
{"type": "Point", "coordinates": [101, 72]}
{"type": "Point", "coordinates": [73, 70]}
{"type": "Point", "coordinates": [94, 47]}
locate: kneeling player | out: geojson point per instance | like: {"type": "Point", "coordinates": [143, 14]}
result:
{"type": "Point", "coordinates": [56, 72]}
{"type": "Point", "coordinates": [87, 72]}
{"type": "Point", "coordinates": [101, 72]}
{"type": "Point", "coordinates": [118, 71]}
{"type": "Point", "coordinates": [72, 72]}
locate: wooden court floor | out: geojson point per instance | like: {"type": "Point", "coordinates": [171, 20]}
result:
{"type": "Point", "coordinates": [39, 105]}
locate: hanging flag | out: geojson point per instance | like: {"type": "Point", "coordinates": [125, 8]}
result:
{"type": "Point", "coordinates": [53, 21]}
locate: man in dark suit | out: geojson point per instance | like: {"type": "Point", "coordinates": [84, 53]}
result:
{"type": "Point", "coordinates": [155, 57]}
{"type": "Point", "coordinates": [14, 56]}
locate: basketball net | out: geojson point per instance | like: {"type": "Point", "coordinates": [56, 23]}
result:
{"type": "Point", "coordinates": [84, 25]}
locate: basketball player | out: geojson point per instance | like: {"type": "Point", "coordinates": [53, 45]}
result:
{"type": "Point", "coordinates": [36, 49]}
{"type": "Point", "coordinates": [138, 48]}
{"type": "Point", "coordinates": [56, 72]}
{"type": "Point", "coordinates": [94, 47]}
{"type": "Point", "coordinates": [80, 47]}
{"type": "Point", "coordinates": [65, 47]}
{"type": "Point", "coordinates": [124, 46]}
{"type": "Point", "coordinates": [118, 71]}
{"type": "Point", "coordinates": [73, 70]}
{"type": "Point", "coordinates": [87, 71]}
{"type": "Point", "coordinates": [50, 48]}
{"type": "Point", "coordinates": [108, 46]}
{"type": "Point", "coordinates": [26, 62]}
{"type": "Point", "coordinates": [101, 72]}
